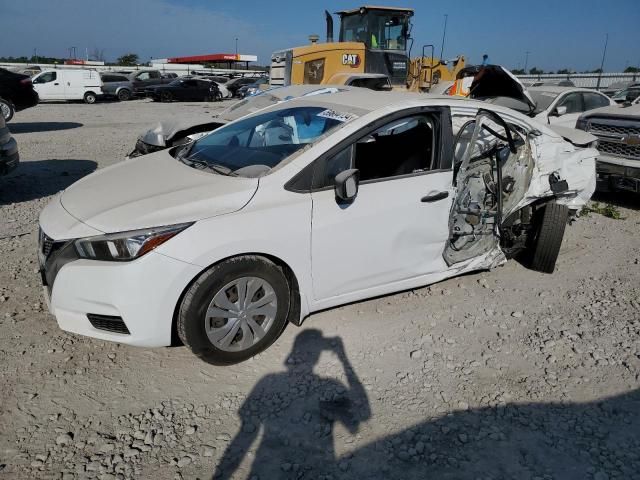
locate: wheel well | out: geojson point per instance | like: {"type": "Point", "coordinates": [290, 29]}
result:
{"type": "Point", "coordinates": [517, 227]}
{"type": "Point", "coordinates": [294, 290]}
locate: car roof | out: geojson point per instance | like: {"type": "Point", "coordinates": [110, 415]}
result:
{"type": "Point", "coordinates": [363, 100]}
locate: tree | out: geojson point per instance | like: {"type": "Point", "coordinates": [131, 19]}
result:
{"type": "Point", "coordinates": [535, 71]}
{"type": "Point", "coordinates": [597, 70]}
{"type": "Point", "coordinates": [632, 70]}
{"type": "Point", "coordinates": [564, 71]}
{"type": "Point", "coordinates": [518, 71]}
{"type": "Point", "coordinates": [128, 59]}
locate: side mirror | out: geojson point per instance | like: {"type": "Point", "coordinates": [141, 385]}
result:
{"type": "Point", "coordinates": [559, 111]}
{"type": "Point", "coordinates": [346, 185]}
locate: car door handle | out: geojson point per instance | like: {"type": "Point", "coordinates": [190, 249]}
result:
{"type": "Point", "coordinates": [434, 197]}
{"type": "Point", "coordinates": [56, 84]}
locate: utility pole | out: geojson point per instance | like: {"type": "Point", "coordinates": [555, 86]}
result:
{"type": "Point", "coordinates": [236, 48]}
{"type": "Point", "coordinates": [444, 34]}
{"type": "Point", "coordinates": [526, 60]}
{"type": "Point", "coordinates": [35, 55]}
{"type": "Point", "coordinates": [604, 54]}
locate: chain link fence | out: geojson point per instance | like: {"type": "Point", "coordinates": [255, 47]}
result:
{"type": "Point", "coordinates": [585, 80]}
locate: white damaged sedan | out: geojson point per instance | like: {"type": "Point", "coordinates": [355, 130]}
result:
{"type": "Point", "coordinates": [305, 205]}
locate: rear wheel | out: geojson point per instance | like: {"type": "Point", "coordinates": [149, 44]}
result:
{"type": "Point", "coordinates": [7, 109]}
{"type": "Point", "coordinates": [166, 96]}
{"type": "Point", "coordinates": [89, 98]}
{"type": "Point", "coordinates": [234, 310]}
{"type": "Point", "coordinates": [548, 239]}
{"type": "Point", "coordinates": [124, 95]}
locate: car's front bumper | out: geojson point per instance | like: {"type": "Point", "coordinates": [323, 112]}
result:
{"type": "Point", "coordinates": [90, 297]}
{"type": "Point", "coordinates": [617, 174]}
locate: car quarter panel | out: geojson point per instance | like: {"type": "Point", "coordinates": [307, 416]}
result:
{"type": "Point", "coordinates": [275, 223]}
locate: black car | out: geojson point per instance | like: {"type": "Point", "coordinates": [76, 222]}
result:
{"type": "Point", "coordinates": [9, 158]}
{"type": "Point", "coordinates": [235, 84]}
{"type": "Point", "coordinates": [16, 93]}
{"type": "Point", "coordinates": [185, 89]}
{"type": "Point", "coordinates": [252, 88]}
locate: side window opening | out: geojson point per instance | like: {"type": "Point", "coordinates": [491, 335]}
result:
{"type": "Point", "coordinates": [403, 147]}
{"type": "Point", "coordinates": [573, 102]}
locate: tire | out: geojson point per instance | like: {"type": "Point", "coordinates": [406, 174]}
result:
{"type": "Point", "coordinates": [548, 239]}
{"type": "Point", "coordinates": [124, 95]}
{"type": "Point", "coordinates": [225, 340]}
{"type": "Point", "coordinates": [90, 98]}
{"type": "Point", "coordinates": [7, 109]}
{"type": "Point", "coordinates": [218, 97]}
{"type": "Point", "coordinates": [166, 97]}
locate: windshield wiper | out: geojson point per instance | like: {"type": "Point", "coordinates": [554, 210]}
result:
{"type": "Point", "coordinates": [186, 150]}
{"type": "Point", "coordinates": [221, 169]}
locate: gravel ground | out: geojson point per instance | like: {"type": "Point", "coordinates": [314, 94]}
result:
{"type": "Point", "coordinates": [508, 374]}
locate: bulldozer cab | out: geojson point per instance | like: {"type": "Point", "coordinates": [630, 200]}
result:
{"type": "Point", "coordinates": [379, 28]}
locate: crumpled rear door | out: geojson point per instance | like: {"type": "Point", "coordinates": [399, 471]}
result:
{"type": "Point", "coordinates": [493, 164]}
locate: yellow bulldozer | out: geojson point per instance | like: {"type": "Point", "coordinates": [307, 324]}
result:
{"type": "Point", "coordinates": [373, 50]}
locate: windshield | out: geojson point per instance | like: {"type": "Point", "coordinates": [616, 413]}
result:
{"type": "Point", "coordinates": [383, 30]}
{"type": "Point", "coordinates": [543, 99]}
{"type": "Point", "coordinates": [628, 94]}
{"type": "Point", "coordinates": [255, 145]}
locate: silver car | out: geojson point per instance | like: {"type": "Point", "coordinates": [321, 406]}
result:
{"type": "Point", "coordinates": [117, 85]}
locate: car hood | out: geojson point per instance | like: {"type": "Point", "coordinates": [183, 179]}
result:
{"type": "Point", "coordinates": [614, 111]}
{"type": "Point", "coordinates": [154, 190]}
{"type": "Point", "coordinates": [494, 81]}
{"type": "Point", "coordinates": [166, 130]}
{"type": "Point", "coordinates": [579, 138]}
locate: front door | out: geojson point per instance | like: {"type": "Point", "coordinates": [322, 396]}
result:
{"type": "Point", "coordinates": [397, 226]}
{"type": "Point", "coordinates": [493, 167]}
{"type": "Point", "coordinates": [50, 86]}
{"type": "Point", "coordinates": [574, 104]}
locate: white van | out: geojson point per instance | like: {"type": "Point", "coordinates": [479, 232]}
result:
{"type": "Point", "coordinates": [80, 84]}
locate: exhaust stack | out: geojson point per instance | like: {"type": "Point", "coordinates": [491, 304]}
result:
{"type": "Point", "coordinates": [329, 26]}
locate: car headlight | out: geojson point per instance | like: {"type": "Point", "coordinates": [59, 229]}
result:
{"type": "Point", "coordinates": [581, 124]}
{"type": "Point", "coordinates": [126, 246]}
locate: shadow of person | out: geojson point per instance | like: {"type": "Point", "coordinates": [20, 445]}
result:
{"type": "Point", "coordinates": [296, 412]}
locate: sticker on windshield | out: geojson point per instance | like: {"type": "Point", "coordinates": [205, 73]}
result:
{"type": "Point", "coordinates": [338, 116]}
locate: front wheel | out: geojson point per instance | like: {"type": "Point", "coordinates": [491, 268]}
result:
{"type": "Point", "coordinates": [7, 109]}
{"type": "Point", "coordinates": [548, 239]}
{"type": "Point", "coordinates": [234, 310]}
{"type": "Point", "coordinates": [165, 97]}
{"type": "Point", "coordinates": [89, 98]}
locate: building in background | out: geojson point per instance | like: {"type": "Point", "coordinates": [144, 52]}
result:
{"type": "Point", "coordinates": [216, 60]}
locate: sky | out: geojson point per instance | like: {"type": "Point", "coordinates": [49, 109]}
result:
{"type": "Point", "coordinates": [558, 34]}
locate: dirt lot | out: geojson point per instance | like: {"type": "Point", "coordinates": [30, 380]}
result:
{"type": "Point", "coordinates": [508, 374]}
